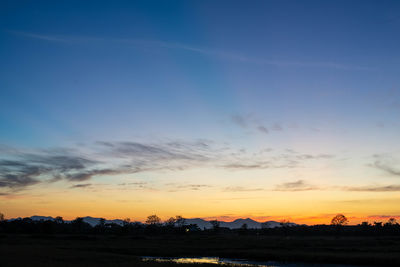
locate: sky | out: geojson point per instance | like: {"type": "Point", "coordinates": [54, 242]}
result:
{"type": "Point", "coordinates": [273, 110]}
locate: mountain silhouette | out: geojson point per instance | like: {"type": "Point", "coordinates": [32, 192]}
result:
{"type": "Point", "coordinates": [201, 223]}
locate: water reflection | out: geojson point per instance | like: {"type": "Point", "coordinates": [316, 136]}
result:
{"type": "Point", "coordinates": [237, 262]}
{"type": "Point", "coordinates": [209, 260]}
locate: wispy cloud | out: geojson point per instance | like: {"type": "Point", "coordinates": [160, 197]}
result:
{"type": "Point", "coordinates": [241, 189]}
{"type": "Point", "coordinates": [138, 184]}
{"type": "Point", "coordinates": [86, 175]}
{"type": "Point", "coordinates": [250, 122]}
{"type": "Point", "coordinates": [262, 129]}
{"type": "Point", "coordinates": [240, 120]}
{"type": "Point", "coordinates": [244, 166]}
{"type": "Point", "coordinates": [386, 164]}
{"type": "Point", "coordinates": [20, 169]}
{"type": "Point", "coordinates": [29, 168]}
{"type": "Point", "coordinates": [23, 168]}
{"type": "Point", "coordinates": [216, 53]}
{"type": "Point", "coordinates": [175, 187]}
{"type": "Point", "coordinates": [80, 185]}
{"type": "Point", "coordinates": [377, 188]}
{"type": "Point", "coordinates": [49, 38]}
{"type": "Point", "coordinates": [278, 161]}
{"type": "Point", "coordinates": [299, 185]}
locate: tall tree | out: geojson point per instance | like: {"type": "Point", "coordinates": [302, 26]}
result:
{"type": "Point", "coordinates": [339, 220]}
{"type": "Point", "coordinates": [153, 220]}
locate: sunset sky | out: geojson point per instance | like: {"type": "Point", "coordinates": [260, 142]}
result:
{"type": "Point", "coordinates": [214, 109]}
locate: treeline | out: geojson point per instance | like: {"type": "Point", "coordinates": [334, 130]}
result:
{"type": "Point", "coordinates": [177, 226]}
{"type": "Point", "coordinates": [79, 226]}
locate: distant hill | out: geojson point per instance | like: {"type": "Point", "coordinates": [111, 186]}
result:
{"type": "Point", "coordinates": [41, 218]}
{"type": "Point", "coordinates": [201, 223]}
{"type": "Point", "coordinates": [251, 224]}
{"type": "Point", "coordinates": [95, 221]}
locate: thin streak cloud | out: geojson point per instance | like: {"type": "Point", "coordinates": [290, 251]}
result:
{"type": "Point", "coordinates": [386, 188]}
{"type": "Point", "coordinates": [195, 49]}
{"type": "Point", "coordinates": [241, 189]}
{"type": "Point", "coordinates": [299, 185]}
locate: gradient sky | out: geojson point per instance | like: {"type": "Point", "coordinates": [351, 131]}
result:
{"type": "Point", "coordinates": [214, 109]}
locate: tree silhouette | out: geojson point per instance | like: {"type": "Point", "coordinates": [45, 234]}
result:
{"type": "Point", "coordinates": [126, 222]}
{"type": "Point", "coordinates": [215, 225]}
{"type": "Point", "coordinates": [153, 220]}
{"type": "Point", "coordinates": [243, 229]}
{"type": "Point", "coordinates": [78, 224]}
{"type": "Point", "coordinates": [339, 220]}
{"type": "Point", "coordinates": [1, 217]}
{"type": "Point", "coordinates": [78, 220]}
{"type": "Point", "coordinates": [59, 220]}
{"type": "Point", "coordinates": [284, 223]}
{"type": "Point", "coordinates": [180, 221]}
{"type": "Point", "coordinates": [170, 222]}
{"type": "Point", "coordinates": [391, 221]}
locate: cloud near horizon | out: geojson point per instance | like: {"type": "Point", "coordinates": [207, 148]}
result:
{"type": "Point", "coordinates": [241, 189]}
{"type": "Point", "coordinates": [23, 168]}
{"type": "Point", "coordinates": [299, 185]}
{"type": "Point", "coordinates": [376, 188]}
{"type": "Point", "coordinates": [20, 169]}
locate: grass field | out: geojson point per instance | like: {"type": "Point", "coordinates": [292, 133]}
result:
{"type": "Point", "coordinates": [65, 250]}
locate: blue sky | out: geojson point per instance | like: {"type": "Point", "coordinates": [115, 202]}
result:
{"type": "Point", "coordinates": [315, 77]}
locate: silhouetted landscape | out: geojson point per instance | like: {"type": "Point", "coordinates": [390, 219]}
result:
{"type": "Point", "coordinates": [88, 241]}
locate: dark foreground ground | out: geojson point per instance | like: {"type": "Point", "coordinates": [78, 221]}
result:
{"type": "Point", "coordinates": [73, 250]}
